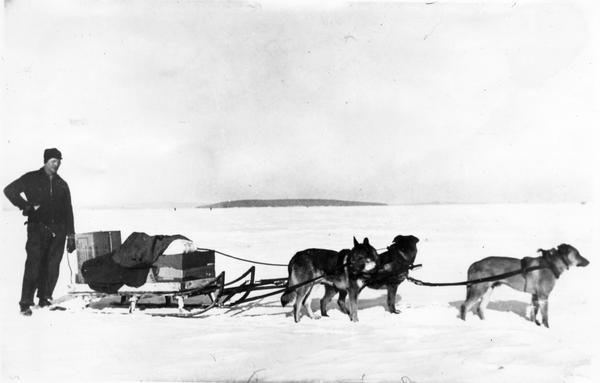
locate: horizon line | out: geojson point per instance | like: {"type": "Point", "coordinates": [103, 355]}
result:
{"type": "Point", "coordinates": [192, 205]}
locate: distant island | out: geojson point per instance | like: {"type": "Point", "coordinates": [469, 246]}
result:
{"type": "Point", "coordinates": [287, 203]}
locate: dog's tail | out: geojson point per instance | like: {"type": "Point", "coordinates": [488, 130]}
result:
{"type": "Point", "coordinates": [287, 297]}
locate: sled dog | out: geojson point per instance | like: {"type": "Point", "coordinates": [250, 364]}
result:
{"type": "Point", "coordinates": [343, 271]}
{"type": "Point", "coordinates": [539, 283]}
{"type": "Point", "coordinates": [393, 268]}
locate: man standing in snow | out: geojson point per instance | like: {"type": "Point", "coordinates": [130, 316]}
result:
{"type": "Point", "coordinates": [47, 205]}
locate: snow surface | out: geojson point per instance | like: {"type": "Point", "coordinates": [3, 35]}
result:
{"type": "Point", "coordinates": [427, 342]}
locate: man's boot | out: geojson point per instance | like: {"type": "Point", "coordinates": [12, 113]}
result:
{"type": "Point", "coordinates": [25, 310]}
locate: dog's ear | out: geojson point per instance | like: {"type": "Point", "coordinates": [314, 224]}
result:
{"type": "Point", "coordinates": [355, 241]}
{"type": "Point", "coordinates": [366, 241]}
{"type": "Point", "coordinates": [546, 252]}
{"type": "Point", "coordinates": [413, 239]}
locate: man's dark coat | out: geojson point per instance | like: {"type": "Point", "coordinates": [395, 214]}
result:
{"type": "Point", "coordinates": [51, 194]}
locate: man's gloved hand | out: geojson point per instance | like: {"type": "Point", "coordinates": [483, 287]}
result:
{"type": "Point", "coordinates": [28, 210]}
{"type": "Point", "coordinates": [70, 244]}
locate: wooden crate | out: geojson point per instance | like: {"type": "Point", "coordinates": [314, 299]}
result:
{"type": "Point", "coordinates": [92, 245]}
{"type": "Point", "coordinates": [183, 267]}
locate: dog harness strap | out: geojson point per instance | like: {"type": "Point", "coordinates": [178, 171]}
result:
{"type": "Point", "coordinates": [524, 272]}
{"type": "Point", "coordinates": [492, 278]}
{"type": "Point", "coordinates": [524, 267]}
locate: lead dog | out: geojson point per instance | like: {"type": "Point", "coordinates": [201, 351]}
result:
{"type": "Point", "coordinates": [538, 283]}
{"type": "Point", "coordinates": [344, 270]}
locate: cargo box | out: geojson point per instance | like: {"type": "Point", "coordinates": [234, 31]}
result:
{"type": "Point", "coordinates": [186, 266]}
{"type": "Point", "coordinates": [94, 244]}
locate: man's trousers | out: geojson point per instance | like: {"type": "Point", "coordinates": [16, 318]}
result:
{"type": "Point", "coordinates": [45, 247]}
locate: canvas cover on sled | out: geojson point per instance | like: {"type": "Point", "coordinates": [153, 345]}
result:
{"type": "Point", "coordinates": [128, 265]}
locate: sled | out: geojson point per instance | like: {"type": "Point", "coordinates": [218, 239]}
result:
{"type": "Point", "coordinates": [173, 277]}
{"type": "Point", "coordinates": [219, 293]}
{"type": "Point", "coordinates": [222, 294]}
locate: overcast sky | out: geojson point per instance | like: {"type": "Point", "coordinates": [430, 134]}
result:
{"type": "Point", "coordinates": [405, 102]}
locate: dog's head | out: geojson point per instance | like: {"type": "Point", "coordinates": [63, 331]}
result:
{"type": "Point", "coordinates": [567, 254]}
{"type": "Point", "coordinates": [362, 258]}
{"type": "Point", "coordinates": [571, 255]}
{"type": "Point", "coordinates": [406, 246]}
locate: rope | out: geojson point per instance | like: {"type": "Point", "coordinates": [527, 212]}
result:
{"type": "Point", "coordinates": [251, 261]}
{"type": "Point", "coordinates": [479, 280]}
{"type": "Point", "coordinates": [244, 259]}
{"type": "Point", "coordinates": [70, 269]}
{"type": "Point", "coordinates": [251, 299]}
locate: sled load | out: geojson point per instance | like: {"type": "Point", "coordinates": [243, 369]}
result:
{"type": "Point", "coordinates": [169, 266]}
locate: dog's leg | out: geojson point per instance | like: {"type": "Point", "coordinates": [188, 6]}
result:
{"type": "Point", "coordinates": [536, 308]}
{"type": "Point", "coordinates": [353, 295]}
{"type": "Point", "coordinates": [392, 289]}
{"type": "Point", "coordinates": [342, 302]}
{"type": "Point", "coordinates": [532, 309]}
{"type": "Point", "coordinates": [485, 300]}
{"type": "Point", "coordinates": [473, 295]}
{"type": "Point", "coordinates": [301, 294]}
{"type": "Point", "coordinates": [330, 291]}
{"type": "Point", "coordinates": [306, 304]}
{"type": "Point", "coordinates": [529, 312]}
{"type": "Point", "coordinates": [544, 310]}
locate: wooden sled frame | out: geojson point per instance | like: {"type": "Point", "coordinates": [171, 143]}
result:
{"type": "Point", "coordinates": [219, 292]}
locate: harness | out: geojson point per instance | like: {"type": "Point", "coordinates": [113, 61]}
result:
{"type": "Point", "coordinates": [523, 270]}
{"type": "Point", "coordinates": [344, 266]}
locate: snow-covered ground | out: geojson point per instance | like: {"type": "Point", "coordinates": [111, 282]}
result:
{"type": "Point", "coordinates": [260, 341]}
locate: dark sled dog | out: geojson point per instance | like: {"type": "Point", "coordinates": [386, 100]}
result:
{"type": "Point", "coordinates": [342, 271]}
{"type": "Point", "coordinates": [539, 283]}
{"type": "Point", "coordinates": [393, 268]}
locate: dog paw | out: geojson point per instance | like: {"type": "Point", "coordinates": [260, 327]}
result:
{"type": "Point", "coordinates": [395, 311]}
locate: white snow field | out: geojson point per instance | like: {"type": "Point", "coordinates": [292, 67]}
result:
{"type": "Point", "coordinates": [260, 342]}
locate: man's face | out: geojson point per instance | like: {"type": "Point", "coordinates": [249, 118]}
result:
{"type": "Point", "coordinates": [52, 165]}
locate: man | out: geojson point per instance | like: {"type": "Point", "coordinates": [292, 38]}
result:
{"type": "Point", "coordinates": [47, 205]}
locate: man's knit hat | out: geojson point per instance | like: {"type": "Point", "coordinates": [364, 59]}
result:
{"type": "Point", "coordinates": [52, 153]}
